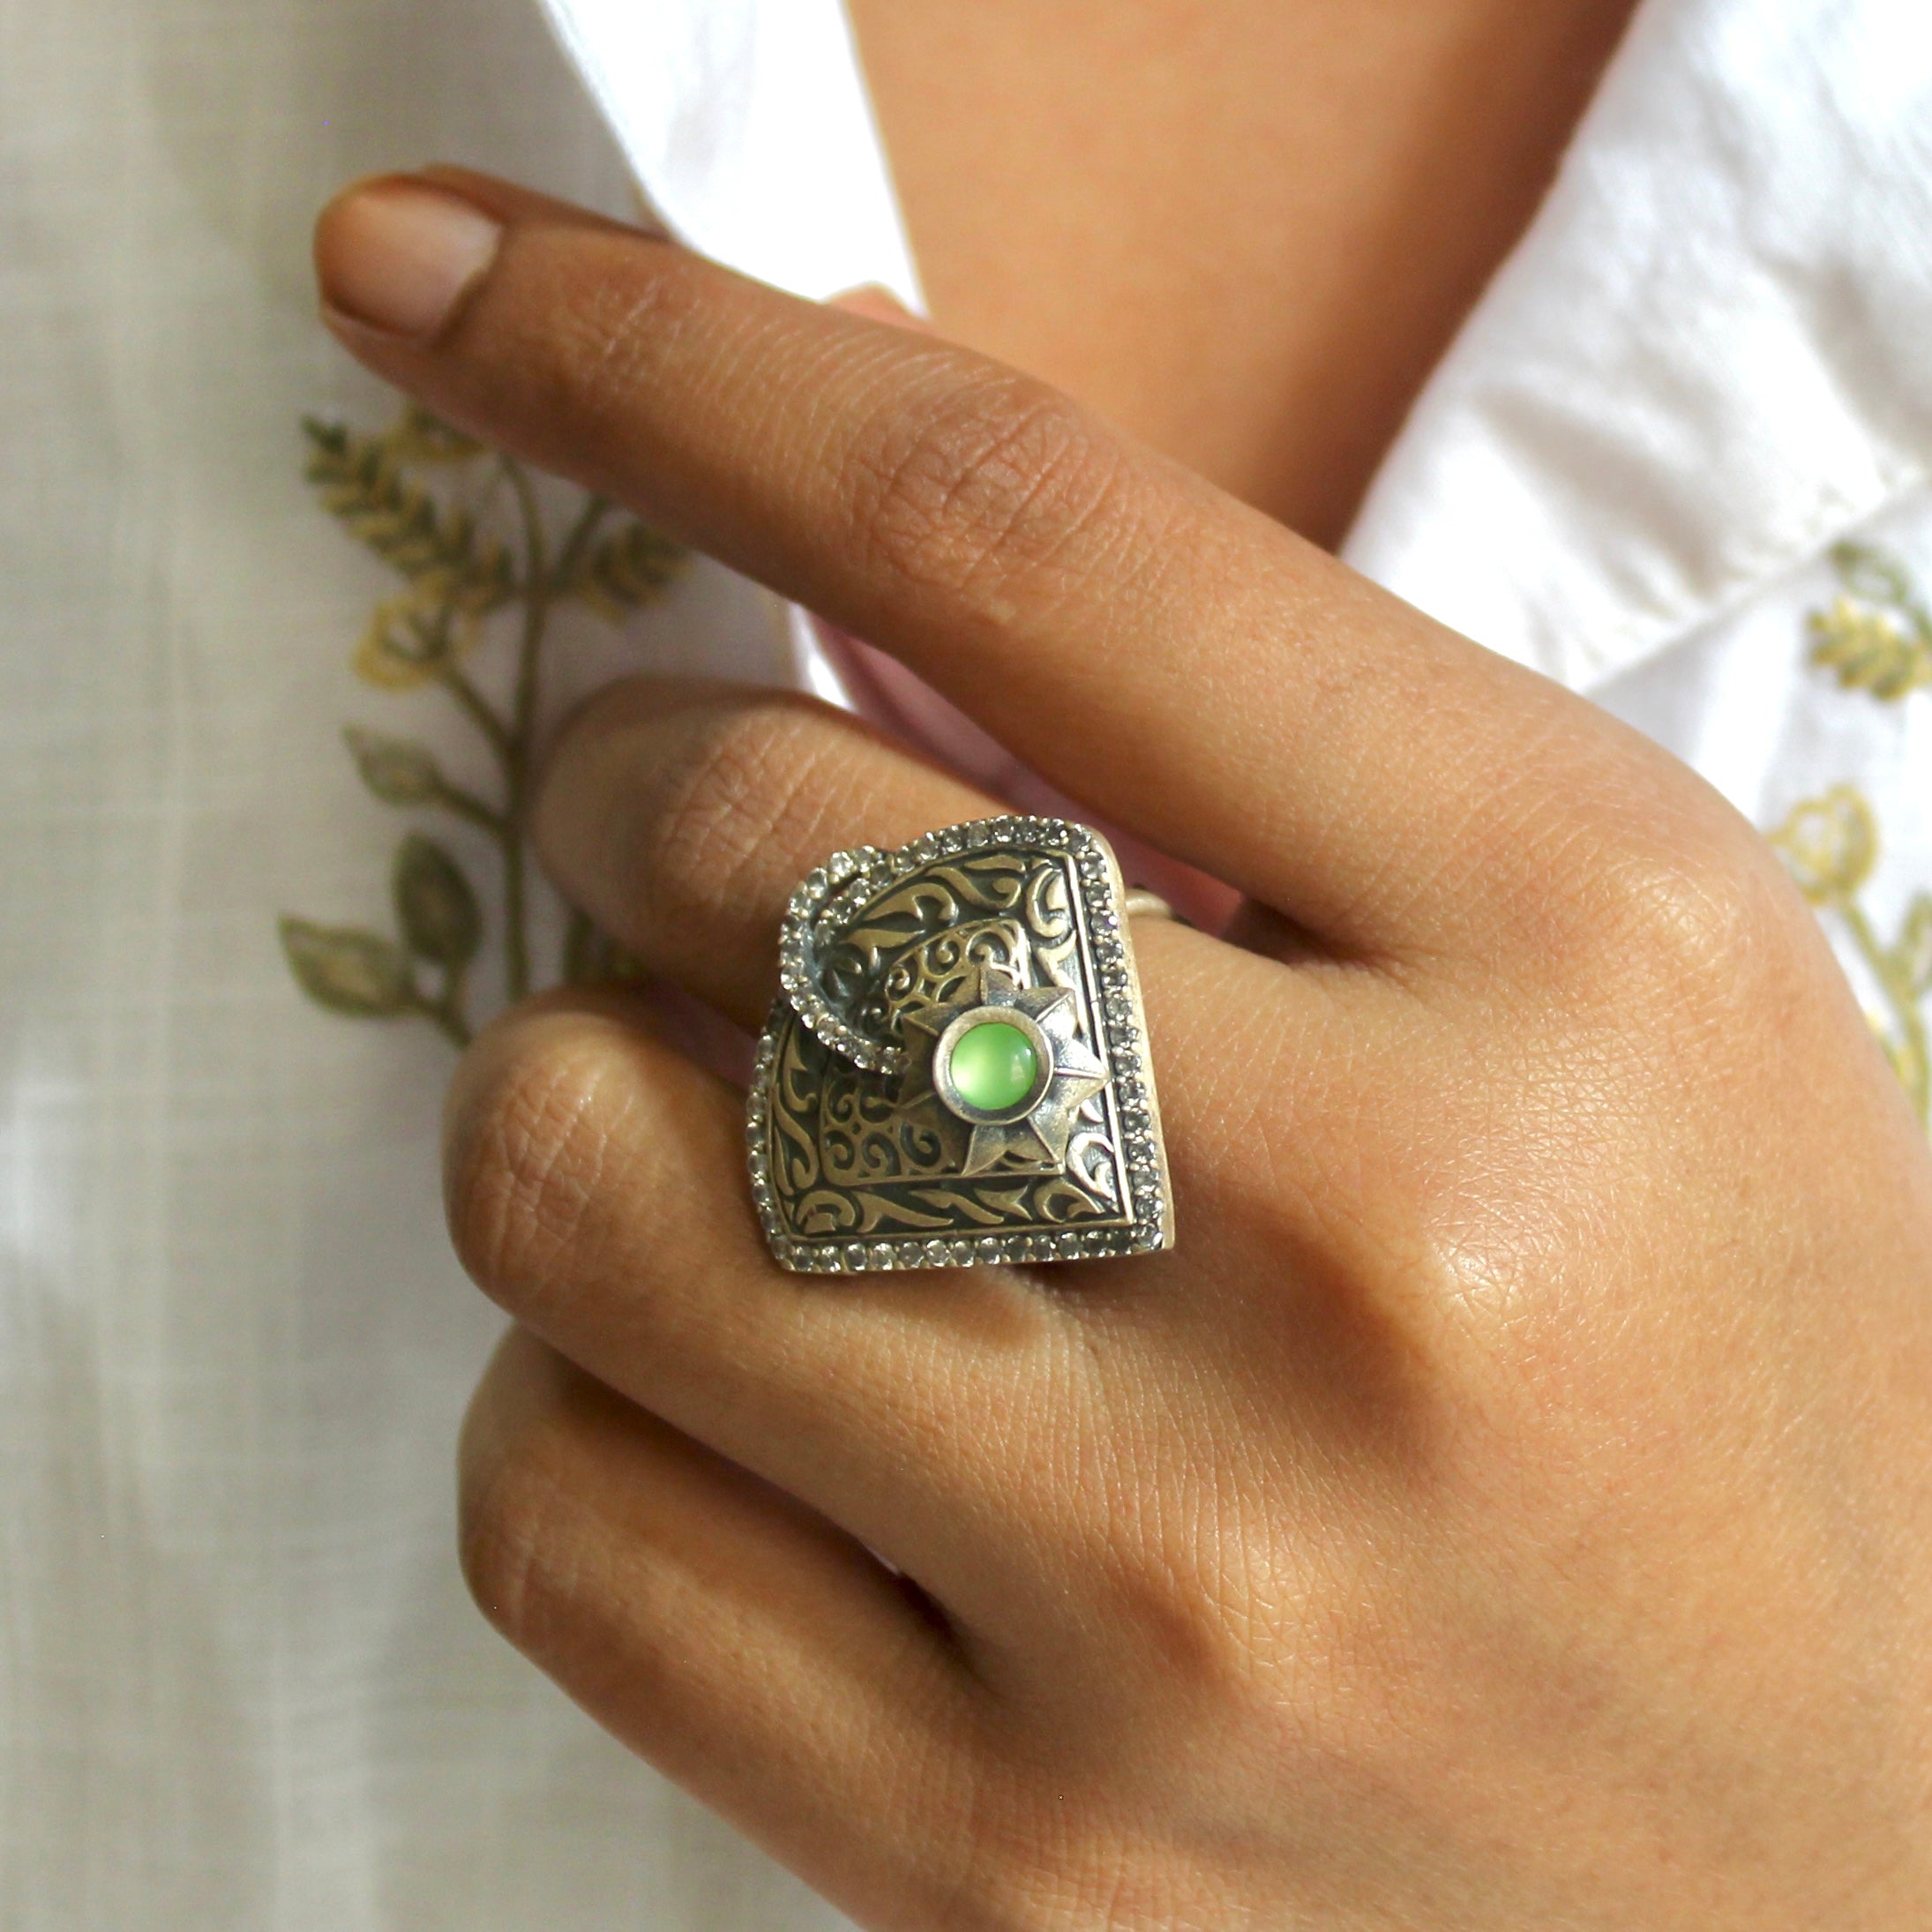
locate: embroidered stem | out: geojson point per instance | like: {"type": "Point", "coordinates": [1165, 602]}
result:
{"type": "Point", "coordinates": [457, 576]}
{"type": "Point", "coordinates": [537, 607]}
{"type": "Point", "coordinates": [1911, 1051]}
{"type": "Point", "coordinates": [445, 1013]}
{"type": "Point", "coordinates": [466, 805]}
{"type": "Point", "coordinates": [480, 710]}
{"type": "Point", "coordinates": [543, 582]}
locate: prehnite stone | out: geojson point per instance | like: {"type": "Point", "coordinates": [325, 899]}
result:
{"type": "Point", "coordinates": [993, 1066]}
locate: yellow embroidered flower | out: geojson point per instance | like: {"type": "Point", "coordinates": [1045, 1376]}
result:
{"type": "Point", "coordinates": [415, 636]}
{"type": "Point", "coordinates": [1828, 844]}
{"type": "Point", "coordinates": [1869, 649]}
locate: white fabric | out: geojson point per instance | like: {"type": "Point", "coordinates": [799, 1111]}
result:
{"type": "Point", "coordinates": [749, 127]}
{"type": "Point", "coordinates": [1707, 359]}
{"type": "Point", "coordinates": [242, 1689]}
{"type": "Point", "coordinates": [240, 1686]}
{"type": "Point", "coordinates": [1738, 699]}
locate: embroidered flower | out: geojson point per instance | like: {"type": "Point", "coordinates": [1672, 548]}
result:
{"type": "Point", "coordinates": [1828, 844]}
{"type": "Point", "coordinates": [457, 575]}
{"type": "Point", "coordinates": [1877, 637]}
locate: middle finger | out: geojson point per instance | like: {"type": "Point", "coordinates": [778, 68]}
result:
{"type": "Point", "coordinates": [679, 814]}
{"type": "Point", "coordinates": [682, 815]}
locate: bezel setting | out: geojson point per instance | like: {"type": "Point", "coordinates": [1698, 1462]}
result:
{"type": "Point", "coordinates": [947, 1087]}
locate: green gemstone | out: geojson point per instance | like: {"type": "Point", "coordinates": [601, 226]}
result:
{"type": "Point", "coordinates": [993, 1066]}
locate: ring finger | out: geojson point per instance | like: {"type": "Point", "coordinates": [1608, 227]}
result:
{"type": "Point", "coordinates": [596, 1191]}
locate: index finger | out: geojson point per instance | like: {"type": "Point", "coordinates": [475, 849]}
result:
{"type": "Point", "coordinates": [1159, 650]}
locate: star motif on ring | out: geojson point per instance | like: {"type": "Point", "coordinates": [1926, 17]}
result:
{"type": "Point", "coordinates": [1040, 1136]}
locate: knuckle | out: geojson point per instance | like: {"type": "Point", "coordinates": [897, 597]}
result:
{"type": "Point", "coordinates": [530, 1137]}
{"type": "Point", "coordinates": [607, 343]}
{"type": "Point", "coordinates": [1201, 1646]}
{"type": "Point", "coordinates": [1681, 924]}
{"type": "Point", "coordinates": [997, 479]}
{"type": "Point", "coordinates": [1629, 891]}
{"type": "Point", "coordinates": [1198, 1590]}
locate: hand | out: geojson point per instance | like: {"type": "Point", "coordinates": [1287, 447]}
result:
{"type": "Point", "coordinates": [1511, 1505]}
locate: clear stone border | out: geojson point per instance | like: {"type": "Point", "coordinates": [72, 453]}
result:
{"type": "Point", "coordinates": [824, 899]}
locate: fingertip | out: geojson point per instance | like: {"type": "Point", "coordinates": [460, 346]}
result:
{"type": "Point", "coordinates": [398, 255]}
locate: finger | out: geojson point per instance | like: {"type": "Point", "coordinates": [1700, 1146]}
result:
{"type": "Point", "coordinates": [1159, 650]}
{"type": "Point", "coordinates": [735, 1640]}
{"type": "Point", "coordinates": [681, 815]}
{"type": "Point", "coordinates": [596, 1190]}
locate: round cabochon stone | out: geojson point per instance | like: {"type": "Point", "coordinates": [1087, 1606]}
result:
{"type": "Point", "coordinates": [993, 1066]}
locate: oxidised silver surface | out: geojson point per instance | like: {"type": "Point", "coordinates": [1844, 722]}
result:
{"type": "Point", "coordinates": [857, 1160]}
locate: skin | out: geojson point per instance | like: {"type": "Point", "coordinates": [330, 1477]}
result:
{"type": "Point", "coordinates": [1264, 307]}
{"type": "Point", "coordinates": [1509, 1505]}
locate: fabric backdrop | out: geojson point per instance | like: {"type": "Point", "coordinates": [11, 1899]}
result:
{"type": "Point", "coordinates": [240, 1684]}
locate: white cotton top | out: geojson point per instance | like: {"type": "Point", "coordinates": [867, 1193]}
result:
{"type": "Point", "coordinates": [240, 1681]}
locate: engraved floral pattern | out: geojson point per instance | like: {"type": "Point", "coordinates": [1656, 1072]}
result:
{"type": "Point", "coordinates": [856, 1163]}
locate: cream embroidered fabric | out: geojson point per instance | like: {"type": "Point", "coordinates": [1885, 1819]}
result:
{"type": "Point", "coordinates": [240, 1685]}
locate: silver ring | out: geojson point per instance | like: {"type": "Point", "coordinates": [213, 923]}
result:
{"type": "Point", "coordinates": [956, 1071]}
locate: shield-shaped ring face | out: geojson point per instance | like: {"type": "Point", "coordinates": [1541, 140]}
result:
{"type": "Point", "coordinates": [956, 1071]}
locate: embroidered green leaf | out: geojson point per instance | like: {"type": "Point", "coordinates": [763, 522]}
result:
{"type": "Point", "coordinates": [349, 970]}
{"type": "Point", "coordinates": [417, 436]}
{"type": "Point", "coordinates": [1873, 574]}
{"type": "Point", "coordinates": [398, 771]}
{"type": "Point", "coordinates": [439, 548]}
{"type": "Point", "coordinates": [434, 904]}
{"type": "Point", "coordinates": [625, 569]}
{"type": "Point", "coordinates": [459, 576]}
{"type": "Point", "coordinates": [1914, 952]}
{"type": "Point", "coordinates": [1828, 844]}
